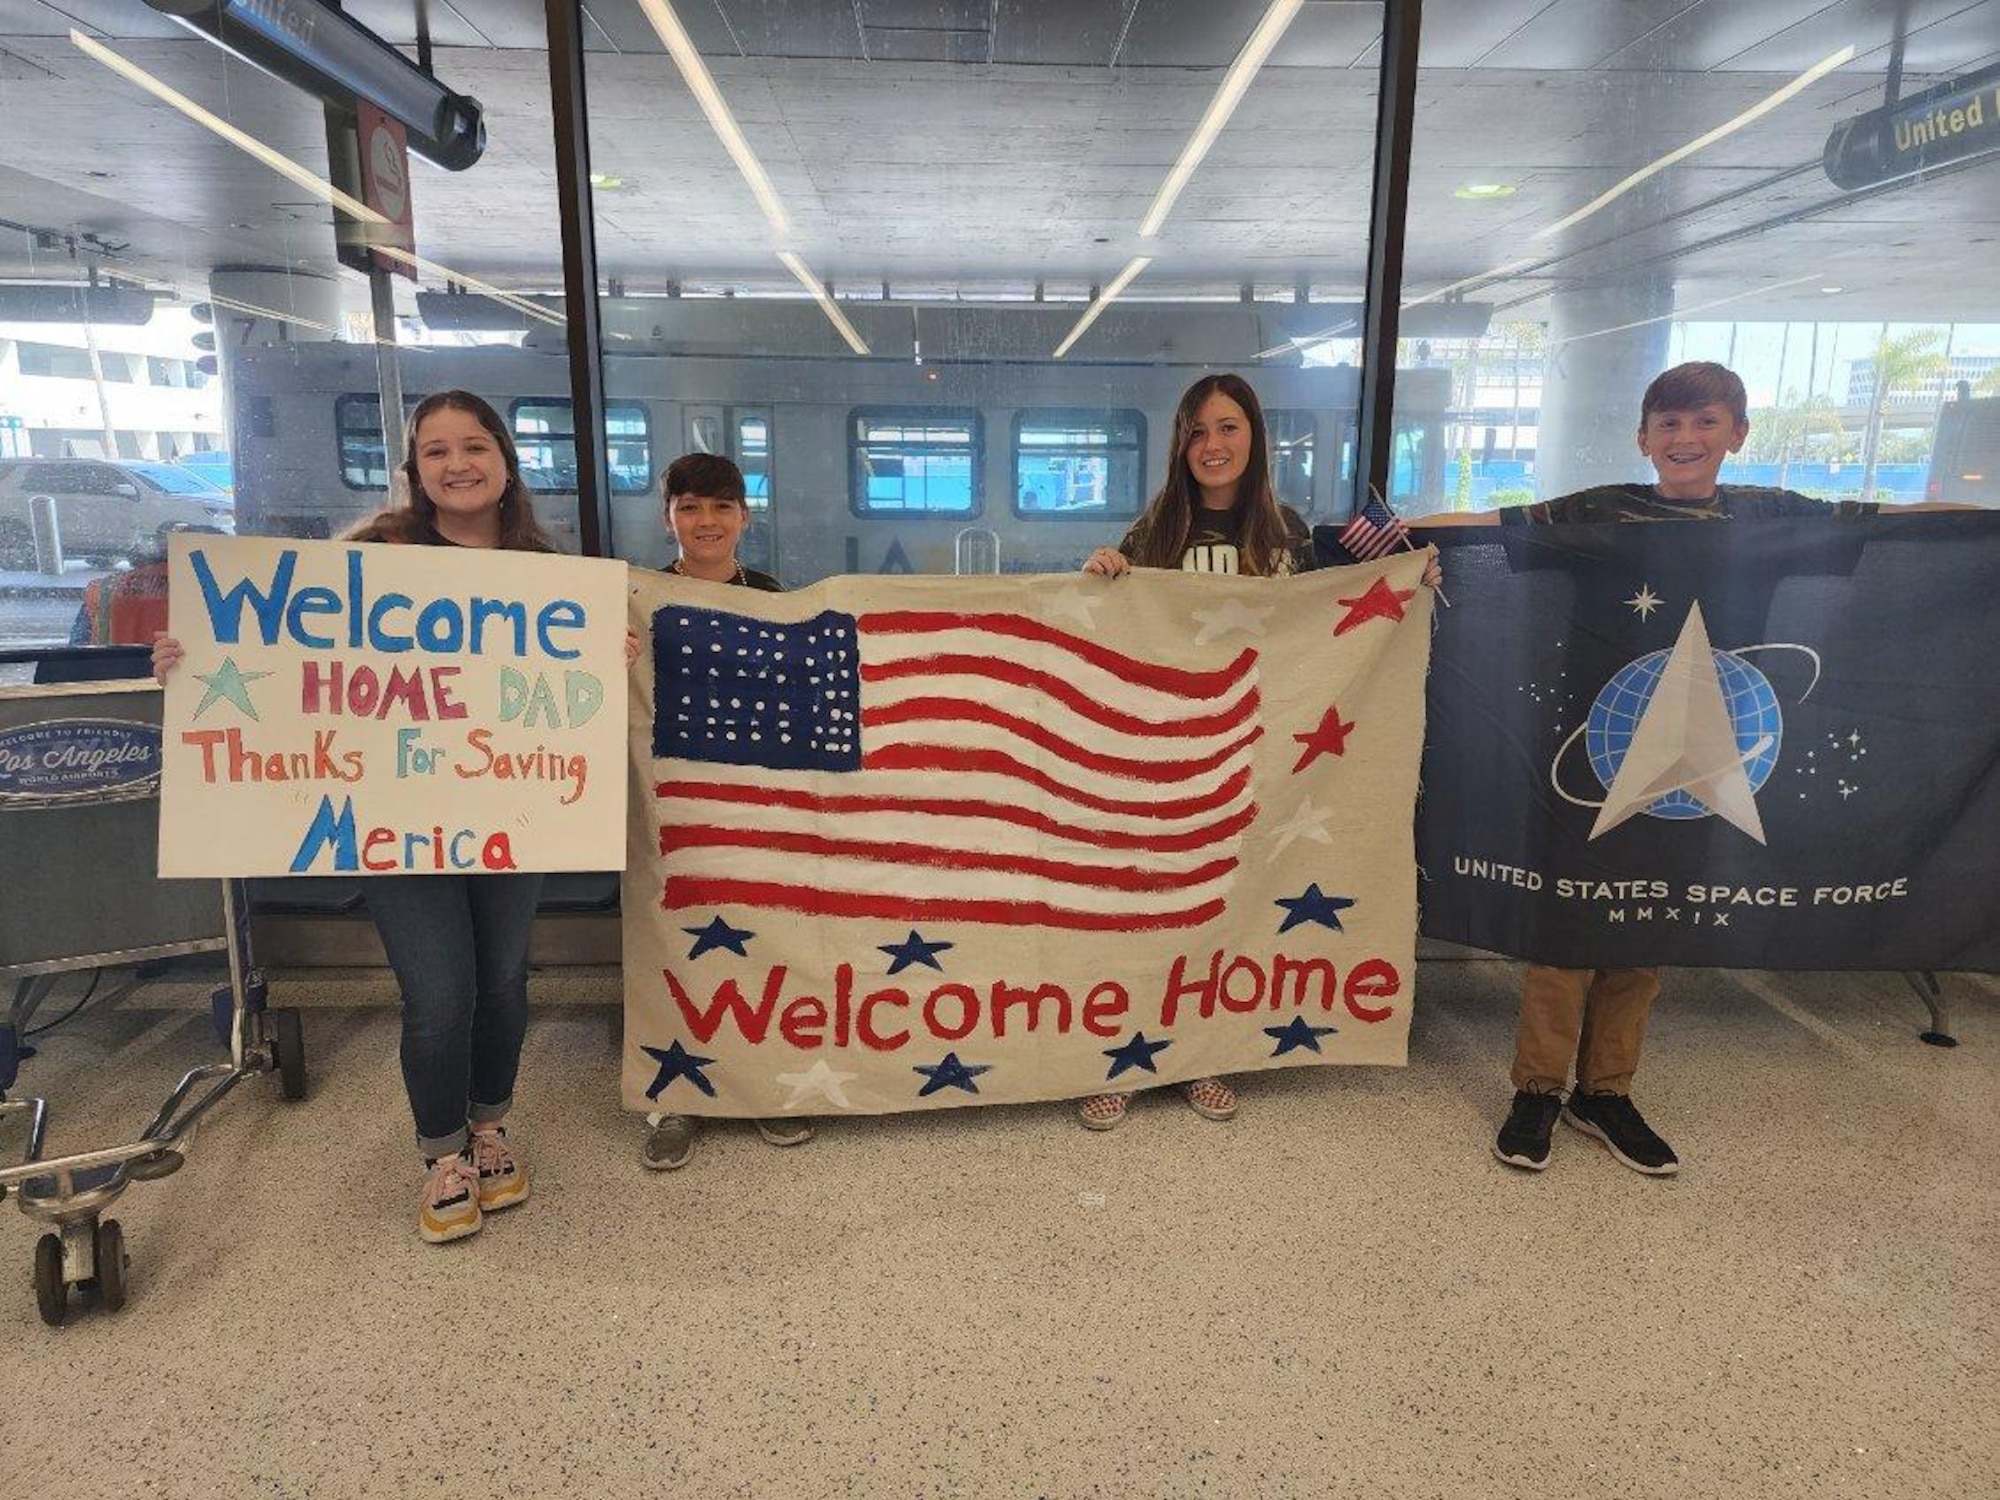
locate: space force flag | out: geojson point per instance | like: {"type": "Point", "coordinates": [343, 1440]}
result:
{"type": "Point", "coordinates": [1747, 744]}
{"type": "Point", "coordinates": [910, 843]}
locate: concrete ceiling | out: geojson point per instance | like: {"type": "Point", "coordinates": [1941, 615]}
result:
{"type": "Point", "coordinates": [979, 146]}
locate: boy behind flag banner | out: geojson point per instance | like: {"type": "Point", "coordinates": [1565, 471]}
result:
{"type": "Point", "coordinates": [1594, 1020]}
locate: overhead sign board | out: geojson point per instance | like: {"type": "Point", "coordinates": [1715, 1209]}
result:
{"type": "Point", "coordinates": [1952, 123]}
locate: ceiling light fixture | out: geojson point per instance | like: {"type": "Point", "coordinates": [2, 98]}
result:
{"type": "Point", "coordinates": [1480, 191]}
{"type": "Point", "coordinates": [1701, 143]}
{"type": "Point", "coordinates": [826, 303]}
{"type": "Point", "coordinates": [1299, 343]}
{"type": "Point", "coordinates": [1118, 284]}
{"type": "Point", "coordinates": [249, 144]}
{"type": "Point", "coordinates": [1220, 108]}
{"type": "Point", "coordinates": [701, 83]}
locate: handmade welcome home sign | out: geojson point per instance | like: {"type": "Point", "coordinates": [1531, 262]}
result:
{"type": "Point", "coordinates": [354, 709]}
{"type": "Point", "coordinates": [910, 843]}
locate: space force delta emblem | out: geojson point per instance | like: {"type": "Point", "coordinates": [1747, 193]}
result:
{"type": "Point", "coordinates": [1747, 744]}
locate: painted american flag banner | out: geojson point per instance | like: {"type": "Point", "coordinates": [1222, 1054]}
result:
{"type": "Point", "coordinates": [916, 843]}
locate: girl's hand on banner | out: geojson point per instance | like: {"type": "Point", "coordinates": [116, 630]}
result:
{"type": "Point", "coordinates": [631, 647]}
{"type": "Point", "coordinates": [1107, 562]}
{"type": "Point", "coordinates": [1433, 574]}
{"type": "Point", "coordinates": [167, 655]}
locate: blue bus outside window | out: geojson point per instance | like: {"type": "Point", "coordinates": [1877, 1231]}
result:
{"type": "Point", "coordinates": [1079, 465]}
{"type": "Point", "coordinates": [914, 460]}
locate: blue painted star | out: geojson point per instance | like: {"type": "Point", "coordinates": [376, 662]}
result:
{"type": "Point", "coordinates": [1313, 906]}
{"type": "Point", "coordinates": [677, 1062]}
{"type": "Point", "coordinates": [914, 950]}
{"type": "Point", "coordinates": [1298, 1034]}
{"type": "Point", "coordinates": [950, 1074]}
{"type": "Point", "coordinates": [231, 682]}
{"type": "Point", "coordinates": [718, 934]}
{"type": "Point", "coordinates": [1137, 1053]}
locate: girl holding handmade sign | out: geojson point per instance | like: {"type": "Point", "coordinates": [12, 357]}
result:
{"type": "Point", "coordinates": [458, 942]}
{"type": "Point", "coordinates": [1216, 513]}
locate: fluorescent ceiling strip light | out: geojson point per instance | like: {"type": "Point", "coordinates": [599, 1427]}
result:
{"type": "Point", "coordinates": [1123, 280]}
{"type": "Point", "coordinates": [519, 304]}
{"type": "Point", "coordinates": [701, 83]}
{"type": "Point", "coordinates": [318, 186]}
{"type": "Point", "coordinates": [264, 312]}
{"type": "Point", "coordinates": [826, 304]}
{"type": "Point", "coordinates": [1220, 108]}
{"type": "Point", "coordinates": [1682, 312]}
{"type": "Point", "coordinates": [1701, 143]}
{"type": "Point", "coordinates": [1298, 343]}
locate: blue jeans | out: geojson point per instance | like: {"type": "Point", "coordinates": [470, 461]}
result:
{"type": "Point", "coordinates": [459, 946]}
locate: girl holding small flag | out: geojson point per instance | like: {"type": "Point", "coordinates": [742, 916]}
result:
{"type": "Point", "coordinates": [1218, 513]}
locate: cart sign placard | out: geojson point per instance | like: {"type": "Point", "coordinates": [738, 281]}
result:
{"type": "Point", "coordinates": [353, 709]}
{"type": "Point", "coordinates": [78, 760]}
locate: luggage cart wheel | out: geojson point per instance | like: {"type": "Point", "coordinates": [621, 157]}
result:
{"type": "Point", "coordinates": [110, 1265]}
{"type": "Point", "coordinates": [288, 1043]}
{"type": "Point", "coordinates": [51, 1291]}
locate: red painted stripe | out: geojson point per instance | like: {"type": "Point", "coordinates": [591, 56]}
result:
{"type": "Point", "coordinates": [999, 763]}
{"type": "Point", "coordinates": [1064, 692]}
{"type": "Point", "coordinates": [966, 710]}
{"type": "Point", "coordinates": [930, 857]}
{"type": "Point", "coordinates": [961, 807]}
{"type": "Point", "coordinates": [685, 892]}
{"type": "Point", "coordinates": [1186, 684]}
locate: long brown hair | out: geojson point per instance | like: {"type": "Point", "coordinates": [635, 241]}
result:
{"type": "Point", "coordinates": [417, 522]}
{"type": "Point", "coordinates": [1169, 519]}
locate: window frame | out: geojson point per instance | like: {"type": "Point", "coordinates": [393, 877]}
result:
{"type": "Point", "coordinates": [1076, 417]}
{"type": "Point", "coordinates": [968, 417]}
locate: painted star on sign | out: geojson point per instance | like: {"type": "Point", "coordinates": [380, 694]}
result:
{"type": "Point", "coordinates": [1313, 905]}
{"type": "Point", "coordinates": [1231, 614]}
{"type": "Point", "coordinates": [230, 682]}
{"type": "Point", "coordinates": [1298, 1033]}
{"type": "Point", "coordinates": [718, 934]}
{"type": "Point", "coordinates": [1309, 822]}
{"type": "Point", "coordinates": [1684, 742]}
{"type": "Point", "coordinates": [913, 950]}
{"type": "Point", "coordinates": [1380, 602]}
{"type": "Point", "coordinates": [1644, 602]}
{"type": "Point", "coordinates": [677, 1062]}
{"type": "Point", "coordinates": [1074, 604]}
{"type": "Point", "coordinates": [819, 1081]}
{"type": "Point", "coordinates": [1137, 1053]}
{"type": "Point", "coordinates": [1329, 739]}
{"type": "Point", "coordinates": [950, 1074]}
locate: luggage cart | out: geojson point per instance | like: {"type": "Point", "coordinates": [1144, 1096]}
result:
{"type": "Point", "coordinates": [83, 1252]}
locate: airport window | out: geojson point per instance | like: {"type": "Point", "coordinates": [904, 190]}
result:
{"type": "Point", "coordinates": [753, 456]}
{"type": "Point", "coordinates": [54, 360]}
{"type": "Point", "coordinates": [1078, 465]}
{"type": "Point", "coordinates": [357, 421]}
{"type": "Point", "coordinates": [1291, 439]}
{"type": "Point", "coordinates": [545, 436]}
{"type": "Point", "coordinates": [915, 461]}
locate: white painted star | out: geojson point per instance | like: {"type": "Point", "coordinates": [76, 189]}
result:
{"type": "Point", "coordinates": [1074, 604]}
{"type": "Point", "coordinates": [1848, 791]}
{"type": "Point", "coordinates": [821, 1081]}
{"type": "Point", "coordinates": [1644, 602]}
{"type": "Point", "coordinates": [1854, 738]}
{"type": "Point", "coordinates": [1231, 614]}
{"type": "Point", "coordinates": [1309, 822]}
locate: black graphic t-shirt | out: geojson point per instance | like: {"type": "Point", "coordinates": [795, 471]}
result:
{"type": "Point", "coordinates": [1215, 537]}
{"type": "Point", "coordinates": [1642, 502]}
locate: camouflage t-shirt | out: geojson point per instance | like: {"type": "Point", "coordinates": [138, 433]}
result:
{"type": "Point", "coordinates": [1641, 502]}
{"type": "Point", "coordinates": [1213, 540]}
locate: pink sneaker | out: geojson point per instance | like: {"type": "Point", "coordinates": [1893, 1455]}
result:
{"type": "Point", "coordinates": [503, 1176]}
{"type": "Point", "coordinates": [450, 1206]}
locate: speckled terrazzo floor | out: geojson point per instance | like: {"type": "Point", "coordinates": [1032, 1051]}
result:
{"type": "Point", "coordinates": [1340, 1294]}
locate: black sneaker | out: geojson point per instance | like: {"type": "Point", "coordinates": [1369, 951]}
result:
{"type": "Point", "coordinates": [1524, 1140]}
{"type": "Point", "coordinates": [1616, 1121]}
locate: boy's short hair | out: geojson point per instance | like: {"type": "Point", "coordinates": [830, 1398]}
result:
{"type": "Point", "coordinates": [706, 474]}
{"type": "Point", "coordinates": [1692, 386]}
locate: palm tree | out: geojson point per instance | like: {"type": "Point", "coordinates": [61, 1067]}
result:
{"type": "Point", "coordinates": [1904, 362]}
{"type": "Point", "coordinates": [1783, 432]}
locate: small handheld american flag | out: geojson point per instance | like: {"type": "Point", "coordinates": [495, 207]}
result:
{"type": "Point", "coordinates": [1374, 532]}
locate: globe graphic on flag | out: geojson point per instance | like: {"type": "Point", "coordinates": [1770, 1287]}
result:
{"type": "Point", "coordinates": [1753, 716]}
